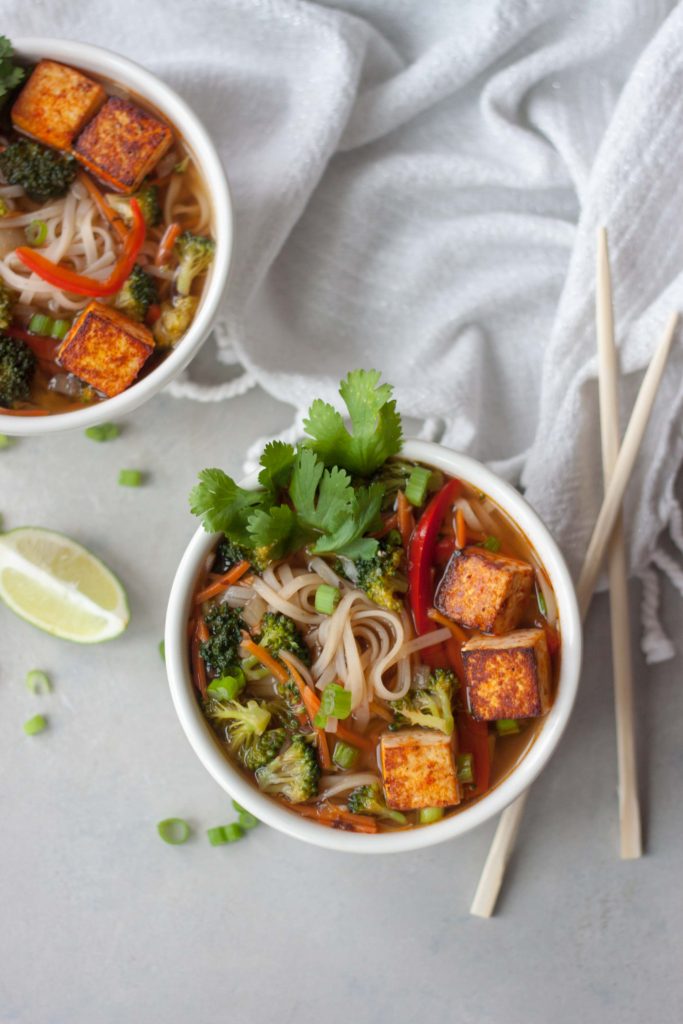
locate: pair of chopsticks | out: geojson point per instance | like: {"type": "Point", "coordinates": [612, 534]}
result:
{"type": "Point", "coordinates": [607, 539]}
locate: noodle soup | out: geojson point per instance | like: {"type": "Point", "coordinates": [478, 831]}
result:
{"type": "Point", "coordinates": [105, 241]}
{"type": "Point", "coordinates": [380, 669]}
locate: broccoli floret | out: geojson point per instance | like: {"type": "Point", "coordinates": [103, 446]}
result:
{"type": "Point", "coordinates": [245, 722]}
{"type": "Point", "coordinates": [280, 633]}
{"type": "Point", "coordinates": [290, 706]}
{"type": "Point", "coordinates": [17, 366]}
{"type": "Point", "coordinates": [430, 706]}
{"type": "Point", "coordinates": [293, 774]}
{"type": "Point", "coordinates": [227, 555]}
{"type": "Point", "coordinates": [382, 577]}
{"type": "Point", "coordinates": [195, 254]}
{"type": "Point", "coordinates": [148, 199]}
{"type": "Point", "coordinates": [220, 651]}
{"type": "Point", "coordinates": [369, 800]}
{"type": "Point", "coordinates": [263, 750]}
{"type": "Point", "coordinates": [6, 305]}
{"type": "Point", "coordinates": [139, 292]}
{"type": "Point", "coordinates": [174, 319]}
{"type": "Point", "coordinates": [42, 173]}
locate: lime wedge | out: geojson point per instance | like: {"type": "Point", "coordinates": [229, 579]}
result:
{"type": "Point", "coordinates": [60, 587]}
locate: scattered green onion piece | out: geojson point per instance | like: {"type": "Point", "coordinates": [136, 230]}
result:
{"type": "Point", "coordinates": [162, 650]}
{"type": "Point", "coordinates": [227, 687]}
{"type": "Point", "coordinates": [507, 726]}
{"type": "Point", "coordinates": [130, 478]}
{"type": "Point", "coordinates": [225, 834]}
{"type": "Point", "coordinates": [5, 441]}
{"type": "Point", "coordinates": [492, 544]}
{"type": "Point", "coordinates": [320, 720]}
{"type": "Point", "coordinates": [174, 831]}
{"type": "Point", "coordinates": [246, 819]}
{"type": "Point", "coordinates": [465, 766]}
{"type": "Point", "coordinates": [40, 324]}
{"type": "Point", "coordinates": [36, 232]}
{"type": "Point", "coordinates": [104, 432]}
{"type": "Point", "coordinates": [182, 166]}
{"type": "Point", "coordinates": [416, 487]}
{"type": "Point", "coordinates": [335, 702]}
{"type": "Point", "coordinates": [60, 329]}
{"type": "Point", "coordinates": [37, 682]}
{"type": "Point", "coordinates": [430, 814]}
{"type": "Point", "coordinates": [394, 539]}
{"type": "Point", "coordinates": [542, 606]}
{"type": "Point", "coordinates": [35, 725]}
{"type": "Point", "coordinates": [344, 756]}
{"type": "Point", "coordinates": [326, 599]}
{"type": "Point", "coordinates": [253, 669]}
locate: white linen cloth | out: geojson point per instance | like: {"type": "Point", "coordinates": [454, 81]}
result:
{"type": "Point", "coordinates": [417, 187]}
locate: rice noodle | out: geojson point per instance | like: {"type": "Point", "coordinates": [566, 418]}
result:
{"type": "Point", "coordinates": [254, 611]}
{"type": "Point", "coordinates": [468, 512]}
{"type": "Point", "coordinates": [236, 597]}
{"type": "Point", "coordinates": [333, 784]}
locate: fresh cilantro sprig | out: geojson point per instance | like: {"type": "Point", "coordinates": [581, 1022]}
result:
{"type": "Point", "coordinates": [308, 493]}
{"type": "Point", "coordinates": [10, 74]}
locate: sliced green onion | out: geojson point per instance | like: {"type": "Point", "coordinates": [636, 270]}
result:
{"type": "Point", "coordinates": [227, 687]}
{"type": "Point", "coordinates": [492, 544]}
{"type": "Point", "coordinates": [182, 166]}
{"type": "Point", "coordinates": [320, 720]}
{"type": "Point", "coordinates": [430, 814]}
{"type": "Point", "coordinates": [36, 232]}
{"type": "Point", "coordinates": [344, 756]}
{"type": "Point", "coordinates": [336, 701]}
{"type": "Point", "coordinates": [174, 831]}
{"type": "Point", "coordinates": [162, 650]}
{"type": "Point", "coordinates": [104, 432]}
{"type": "Point", "coordinates": [35, 725]}
{"type": "Point", "coordinates": [253, 669]}
{"type": "Point", "coordinates": [225, 834]}
{"type": "Point", "coordinates": [40, 324]}
{"type": "Point", "coordinates": [37, 682]}
{"type": "Point", "coordinates": [507, 726]}
{"type": "Point", "coordinates": [130, 478]}
{"type": "Point", "coordinates": [246, 819]}
{"type": "Point", "coordinates": [394, 539]}
{"type": "Point", "coordinates": [326, 599]}
{"type": "Point", "coordinates": [416, 488]}
{"type": "Point", "coordinates": [542, 606]}
{"type": "Point", "coordinates": [5, 441]}
{"type": "Point", "coordinates": [60, 329]}
{"type": "Point", "coordinates": [465, 766]}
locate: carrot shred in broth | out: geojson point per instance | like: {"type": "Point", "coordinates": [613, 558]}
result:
{"type": "Point", "coordinates": [223, 582]}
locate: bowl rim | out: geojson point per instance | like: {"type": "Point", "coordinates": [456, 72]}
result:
{"type": "Point", "coordinates": [267, 810]}
{"type": "Point", "coordinates": [132, 75]}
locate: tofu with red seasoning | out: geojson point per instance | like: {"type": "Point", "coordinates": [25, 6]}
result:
{"type": "Point", "coordinates": [106, 349]}
{"type": "Point", "coordinates": [485, 590]}
{"type": "Point", "coordinates": [418, 769]}
{"type": "Point", "coordinates": [508, 676]}
{"type": "Point", "coordinates": [123, 144]}
{"type": "Point", "coordinates": [56, 103]}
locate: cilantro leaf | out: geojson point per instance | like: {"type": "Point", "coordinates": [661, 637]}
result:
{"type": "Point", "coordinates": [10, 74]}
{"type": "Point", "coordinates": [277, 461]}
{"type": "Point", "coordinates": [376, 426]}
{"type": "Point", "coordinates": [223, 505]}
{"type": "Point", "coordinates": [274, 533]}
{"type": "Point", "coordinates": [323, 498]}
{"type": "Point", "coordinates": [361, 517]}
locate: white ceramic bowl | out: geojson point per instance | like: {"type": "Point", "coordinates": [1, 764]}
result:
{"type": "Point", "coordinates": [129, 75]}
{"type": "Point", "coordinates": [270, 811]}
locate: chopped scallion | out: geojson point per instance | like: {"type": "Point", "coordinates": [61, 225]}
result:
{"type": "Point", "coordinates": [326, 599]}
{"type": "Point", "coordinates": [104, 432]}
{"type": "Point", "coordinates": [430, 814]}
{"type": "Point", "coordinates": [227, 687]}
{"type": "Point", "coordinates": [507, 726]}
{"type": "Point", "coordinates": [335, 701]}
{"type": "Point", "coordinates": [37, 682]}
{"type": "Point", "coordinates": [174, 831]}
{"type": "Point", "coordinates": [182, 166]}
{"type": "Point", "coordinates": [465, 767]}
{"type": "Point", "coordinates": [492, 544]}
{"type": "Point", "coordinates": [35, 725]}
{"type": "Point", "coordinates": [344, 756]}
{"type": "Point", "coordinates": [253, 669]}
{"type": "Point", "coordinates": [416, 487]}
{"type": "Point", "coordinates": [162, 650]}
{"type": "Point", "coordinates": [225, 834]}
{"type": "Point", "coordinates": [246, 819]}
{"type": "Point", "coordinates": [60, 329]}
{"type": "Point", "coordinates": [130, 478]}
{"type": "Point", "coordinates": [40, 324]}
{"type": "Point", "coordinates": [542, 606]}
{"type": "Point", "coordinates": [36, 232]}
{"type": "Point", "coordinates": [5, 441]}
{"type": "Point", "coordinates": [320, 720]}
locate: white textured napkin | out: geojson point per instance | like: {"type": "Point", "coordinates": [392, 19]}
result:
{"type": "Point", "coordinates": [417, 188]}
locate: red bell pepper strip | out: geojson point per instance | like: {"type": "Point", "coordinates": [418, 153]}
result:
{"type": "Point", "coordinates": [80, 284]}
{"type": "Point", "coordinates": [40, 344]}
{"type": "Point", "coordinates": [473, 738]}
{"type": "Point", "coordinates": [421, 552]}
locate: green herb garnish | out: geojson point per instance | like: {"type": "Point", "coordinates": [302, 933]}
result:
{"type": "Point", "coordinates": [10, 74]}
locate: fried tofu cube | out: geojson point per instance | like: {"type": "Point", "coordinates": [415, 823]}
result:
{"type": "Point", "coordinates": [56, 103]}
{"type": "Point", "coordinates": [508, 676]}
{"type": "Point", "coordinates": [106, 349]}
{"type": "Point", "coordinates": [418, 769]}
{"type": "Point", "coordinates": [123, 144]}
{"type": "Point", "coordinates": [484, 590]}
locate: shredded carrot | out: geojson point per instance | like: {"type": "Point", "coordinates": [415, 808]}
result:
{"type": "Point", "coordinates": [391, 523]}
{"type": "Point", "coordinates": [453, 646]}
{"type": "Point", "coordinates": [460, 530]}
{"type": "Point", "coordinates": [107, 211]}
{"type": "Point", "coordinates": [265, 658]}
{"type": "Point", "coordinates": [381, 712]}
{"type": "Point", "coordinates": [223, 582]}
{"type": "Point", "coordinates": [406, 522]}
{"type": "Point", "coordinates": [459, 633]}
{"type": "Point", "coordinates": [339, 817]}
{"type": "Point", "coordinates": [23, 412]}
{"type": "Point", "coordinates": [201, 633]}
{"type": "Point", "coordinates": [323, 750]}
{"type": "Point", "coordinates": [312, 704]}
{"type": "Point", "coordinates": [153, 314]}
{"type": "Point", "coordinates": [168, 240]}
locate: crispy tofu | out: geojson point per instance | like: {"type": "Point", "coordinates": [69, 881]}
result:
{"type": "Point", "coordinates": [106, 349]}
{"type": "Point", "coordinates": [508, 676]}
{"type": "Point", "coordinates": [418, 769]}
{"type": "Point", "coordinates": [484, 590]}
{"type": "Point", "coordinates": [56, 103]}
{"type": "Point", "coordinates": [123, 144]}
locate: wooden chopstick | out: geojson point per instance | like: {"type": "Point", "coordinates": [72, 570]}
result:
{"type": "Point", "coordinates": [493, 873]}
{"type": "Point", "coordinates": [630, 839]}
